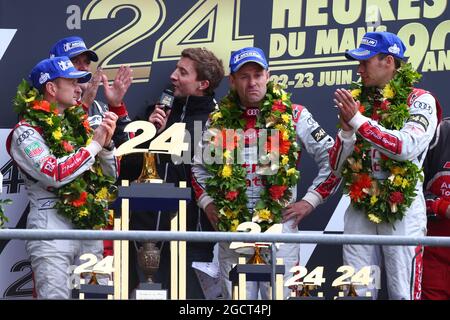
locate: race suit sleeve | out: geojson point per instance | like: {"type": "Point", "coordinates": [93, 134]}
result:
{"type": "Point", "coordinates": [31, 153]}
{"type": "Point", "coordinates": [199, 172]}
{"type": "Point", "coordinates": [317, 143]}
{"type": "Point", "coordinates": [109, 163]}
{"type": "Point", "coordinates": [341, 150]}
{"type": "Point", "coordinates": [120, 136]}
{"type": "Point", "coordinates": [410, 141]}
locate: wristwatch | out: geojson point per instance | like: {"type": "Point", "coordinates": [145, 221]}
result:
{"type": "Point", "coordinates": [110, 146]}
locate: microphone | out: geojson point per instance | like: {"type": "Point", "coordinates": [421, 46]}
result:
{"type": "Point", "coordinates": [166, 100]}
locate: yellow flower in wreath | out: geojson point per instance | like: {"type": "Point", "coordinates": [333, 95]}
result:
{"type": "Point", "coordinates": [234, 225]}
{"type": "Point", "coordinates": [83, 213]}
{"type": "Point", "coordinates": [356, 93]}
{"type": "Point", "coordinates": [373, 200]}
{"type": "Point", "coordinates": [102, 194]}
{"type": "Point", "coordinates": [227, 171]}
{"type": "Point", "coordinates": [284, 160]}
{"type": "Point", "coordinates": [398, 170]}
{"type": "Point", "coordinates": [264, 214]}
{"type": "Point", "coordinates": [374, 218]}
{"type": "Point", "coordinates": [216, 116]}
{"type": "Point", "coordinates": [286, 118]}
{"type": "Point", "coordinates": [57, 134]}
{"type": "Point", "coordinates": [388, 92]}
{"type": "Point", "coordinates": [291, 172]}
{"type": "Point", "coordinates": [398, 181]}
{"type": "Point", "coordinates": [49, 121]}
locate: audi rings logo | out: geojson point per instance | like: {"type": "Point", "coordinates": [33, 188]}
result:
{"type": "Point", "coordinates": [24, 136]}
{"type": "Point", "coordinates": [252, 112]}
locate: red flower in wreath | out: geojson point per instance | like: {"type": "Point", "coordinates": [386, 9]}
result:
{"type": "Point", "coordinates": [278, 106]}
{"type": "Point", "coordinates": [283, 145]}
{"type": "Point", "coordinates": [81, 200]}
{"type": "Point", "coordinates": [276, 192]}
{"type": "Point", "coordinates": [385, 105]}
{"type": "Point", "coordinates": [42, 105]}
{"type": "Point", "coordinates": [231, 195]}
{"type": "Point", "coordinates": [396, 197]}
{"type": "Point", "coordinates": [67, 146]}
{"type": "Point", "coordinates": [86, 126]}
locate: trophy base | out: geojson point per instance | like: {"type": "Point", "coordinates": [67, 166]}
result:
{"type": "Point", "coordinates": [149, 291]}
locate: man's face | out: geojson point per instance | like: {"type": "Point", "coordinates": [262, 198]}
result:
{"type": "Point", "coordinates": [82, 62]}
{"type": "Point", "coordinates": [250, 83]}
{"type": "Point", "coordinates": [67, 91]}
{"type": "Point", "coordinates": [375, 72]}
{"type": "Point", "coordinates": [184, 79]}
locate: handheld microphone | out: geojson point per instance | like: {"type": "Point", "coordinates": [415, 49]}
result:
{"type": "Point", "coordinates": [167, 99]}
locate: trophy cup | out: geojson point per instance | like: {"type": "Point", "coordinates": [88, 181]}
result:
{"type": "Point", "coordinates": [148, 172]}
{"type": "Point", "coordinates": [256, 258]}
{"type": "Point", "coordinates": [148, 260]}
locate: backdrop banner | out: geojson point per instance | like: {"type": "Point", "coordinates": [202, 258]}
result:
{"type": "Point", "coordinates": [304, 42]}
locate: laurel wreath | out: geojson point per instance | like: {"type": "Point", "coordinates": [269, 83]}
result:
{"type": "Point", "coordinates": [227, 184]}
{"type": "Point", "coordinates": [84, 201]}
{"type": "Point", "coordinates": [383, 200]}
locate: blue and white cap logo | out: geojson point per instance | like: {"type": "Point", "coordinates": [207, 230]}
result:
{"type": "Point", "coordinates": [245, 55]}
{"type": "Point", "coordinates": [374, 43]}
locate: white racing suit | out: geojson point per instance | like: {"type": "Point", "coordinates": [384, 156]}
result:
{"type": "Point", "coordinates": [51, 260]}
{"type": "Point", "coordinates": [316, 142]}
{"type": "Point", "coordinates": [403, 264]}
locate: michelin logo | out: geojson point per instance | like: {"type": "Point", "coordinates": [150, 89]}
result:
{"type": "Point", "coordinates": [369, 42]}
{"type": "Point", "coordinates": [247, 54]}
{"type": "Point", "coordinates": [64, 65]}
{"type": "Point", "coordinates": [44, 77]}
{"type": "Point", "coordinates": [75, 44]}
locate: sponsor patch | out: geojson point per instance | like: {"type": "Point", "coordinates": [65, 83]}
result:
{"type": "Point", "coordinates": [44, 77]}
{"type": "Point", "coordinates": [423, 106]}
{"type": "Point", "coordinates": [369, 42]}
{"type": "Point", "coordinates": [34, 149]}
{"type": "Point", "coordinates": [319, 134]}
{"type": "Point", "coordinates": [24, 136]}
{"type": "Point", "coordinates": [49, 166]}
{"type": "Point", "coordinates": [419, 119]}
{"type": "Point", "coordinates": [247, 54]}
{"type": "Point", "coordinates": [64, 65]}
{"type": "Point", "coordinates": [394, 49]}
{"type": "Point", "coordinates": [311, 121]}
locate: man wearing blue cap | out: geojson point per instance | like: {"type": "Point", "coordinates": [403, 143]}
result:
{"type": "Point", "coordinates": [379, 151]}
{"type": "Point", "coordinates": [249, 80]}
{"type": "Point", "coordinates": [75, 49]}
{"type": "Point", "coordinates": [32, 144]}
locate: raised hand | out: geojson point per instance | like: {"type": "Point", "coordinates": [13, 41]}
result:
{"type": "Point", "coordinates": [109, 124]}
{"type": "Point", "coordinates": [91, 88]}
{"type": "Point", "coordinates": [114, 93]}
{"type": "Point", "coordinates": [348, 107]}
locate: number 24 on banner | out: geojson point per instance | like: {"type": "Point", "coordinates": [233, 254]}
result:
{"type": "Point", "coordinates": [161, 144]}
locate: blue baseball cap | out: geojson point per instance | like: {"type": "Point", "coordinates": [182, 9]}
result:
{"type": "Point", "coordinates": [250, 54]}
{"type": "Point", "coordinates": [374, 43]}
{"type": "Point", "coordinates": [71, 47]}
{"type": "Point", "coordinates": [57, 67]}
